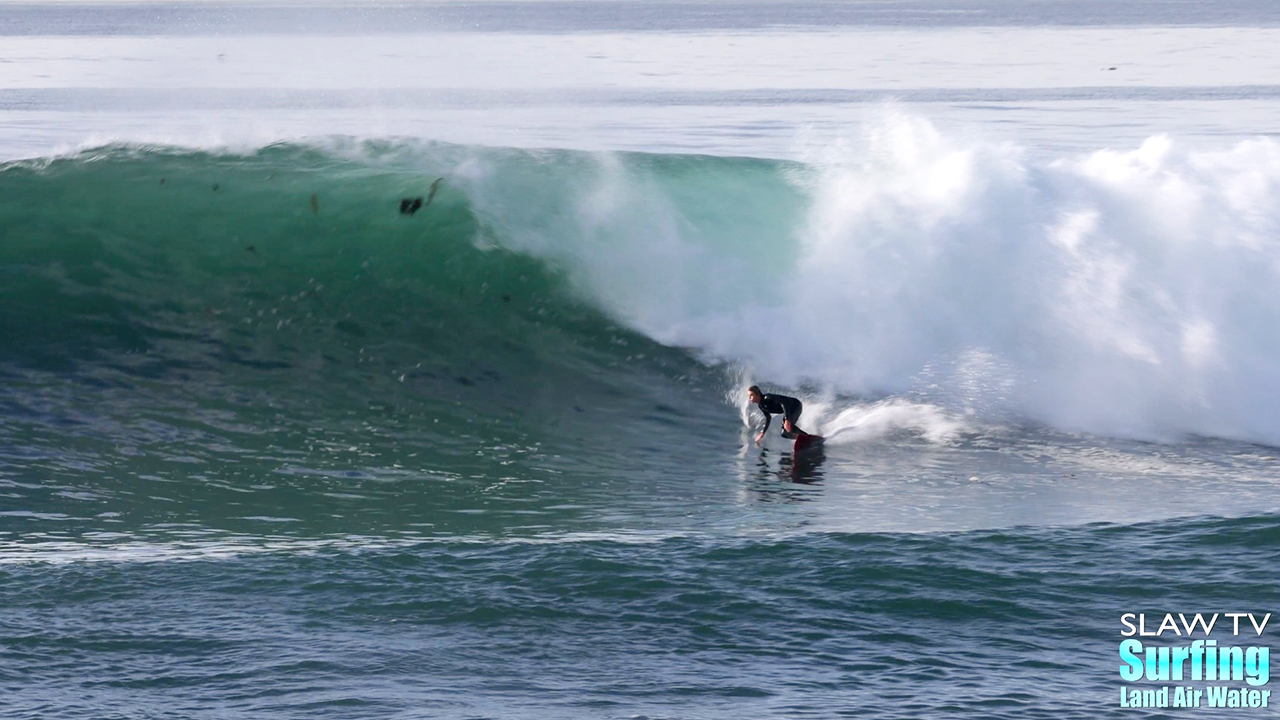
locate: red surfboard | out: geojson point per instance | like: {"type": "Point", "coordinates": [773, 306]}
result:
{"type": "Point", "coordinates": [805, 441]}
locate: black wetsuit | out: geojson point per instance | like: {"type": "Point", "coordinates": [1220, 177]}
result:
{"type": "Point", "coordinates": [788, 407]}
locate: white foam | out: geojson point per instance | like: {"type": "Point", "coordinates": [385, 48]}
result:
{"type": "Point", "coordinates": [123, 548]}
{"type": "Point", "coordinates": [1130, 292]}
{"type": "Point", "coordinates": [879, 420]}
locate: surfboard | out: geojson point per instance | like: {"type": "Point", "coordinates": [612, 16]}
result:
{"type": "Point", "coordinates": [806, 442]}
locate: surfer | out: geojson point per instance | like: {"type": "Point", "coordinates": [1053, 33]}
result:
{"type": "Point", "coordinates": [784, 405]}
{"type": "Point", "coordinates": [409, 206]}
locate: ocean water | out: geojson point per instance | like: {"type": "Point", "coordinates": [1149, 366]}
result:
{"type": "Point", "coordinates": [271, 448]}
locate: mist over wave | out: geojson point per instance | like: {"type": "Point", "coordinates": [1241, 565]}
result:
{"type": "Point", "coordinates": [1128, 292]}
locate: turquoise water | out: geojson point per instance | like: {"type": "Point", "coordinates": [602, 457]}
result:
{"type": "Point", "coordinates": [271, 448]}
{"type": "Point", "coordinates": [1016, 623]}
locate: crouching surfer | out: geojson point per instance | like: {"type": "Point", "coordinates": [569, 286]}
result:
{"type": "Point", "coordinates": [772, 404]}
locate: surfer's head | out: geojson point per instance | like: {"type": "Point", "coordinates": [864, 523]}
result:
{"type": "Point", "coordinates": [754, 394]}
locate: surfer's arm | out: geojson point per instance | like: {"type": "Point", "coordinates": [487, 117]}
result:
{"type": "Point", "coordinates": [767, 419]}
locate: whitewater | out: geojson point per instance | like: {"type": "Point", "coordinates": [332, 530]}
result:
{"type": "Point", "coordinates": [272, 446]}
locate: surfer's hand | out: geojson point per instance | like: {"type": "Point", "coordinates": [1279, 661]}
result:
{"type": "Point", "coordinates": [759, 438]}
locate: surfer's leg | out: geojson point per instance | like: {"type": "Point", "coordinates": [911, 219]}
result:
{"type": "Point", "coordinates": [788, 430]}
{"type": "Point", "coordinates": [790, 424]}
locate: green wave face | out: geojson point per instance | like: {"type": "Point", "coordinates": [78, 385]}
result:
{"type": "Point", "coordinates": [262, 343]}
{"type": "Point", "coordinates": [222, 322]}
{"type": "Point", "coordinates": [288, 252]}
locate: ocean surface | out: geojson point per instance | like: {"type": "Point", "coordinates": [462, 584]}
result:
{"type": "Point", "coordinates": [271, 448]}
